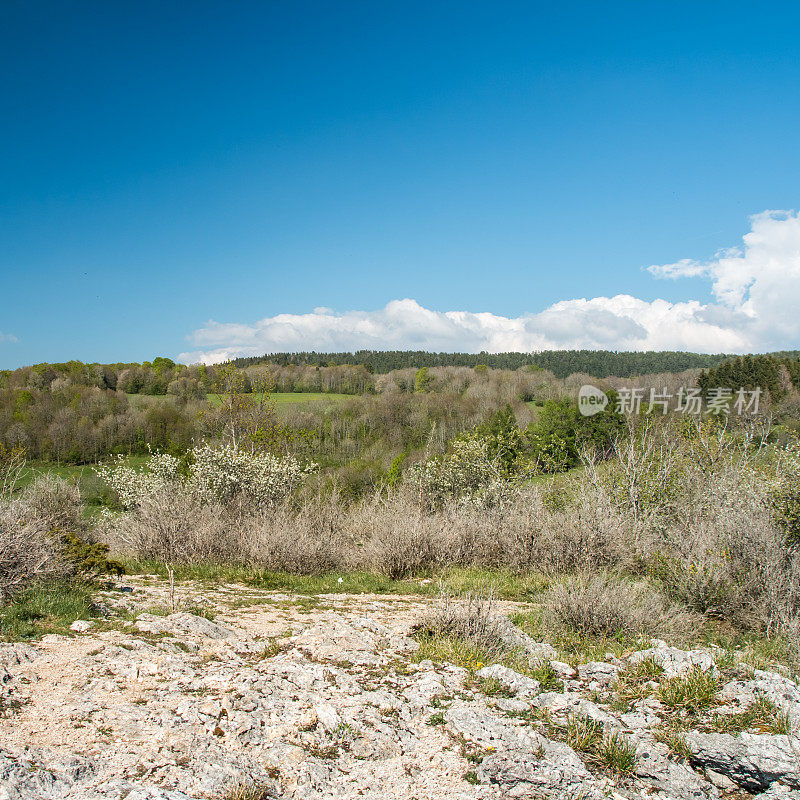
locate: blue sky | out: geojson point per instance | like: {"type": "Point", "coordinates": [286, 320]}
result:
{"type": "Point", "coordinates": [196, 178]}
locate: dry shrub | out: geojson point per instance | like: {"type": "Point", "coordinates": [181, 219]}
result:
{"type": "Point", "coordinates": [397, 539]}
{"type": "Point", "coordinates": [27, 552]}
{"type": "Point", "coordinates": [53, 502]}
{"type": "Point", "coordinates": [43, 535]}
{"type": "Point", "coordinates": [521, 533]}
{"type": "Point", "coordinates": [790, 630]}
{"type": "Point", "coordinates": [584, 534]}
{"type": "Point", "coordinates": [526, 533]}
{"type": "Point", "coordinates": [727, 557]}
{"type": "Point", "coordinates": [387, 533]}
{"type": "Point", "coordinates": [308, 541]}
{"type": "Point", "coordinates": [601, 605]}
{"type": "Point", "coordinates": [714, 547]}
{"type": "Point", "coordinates": [470, 619]}
{"type": "Point", "coordinates": [173, 526]}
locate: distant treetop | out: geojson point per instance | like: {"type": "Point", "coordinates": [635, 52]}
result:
{"type": "Point", "coordinates": [598, 363]}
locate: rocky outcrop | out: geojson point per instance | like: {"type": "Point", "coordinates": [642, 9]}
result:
{"type": "Point", "coordinates": [752, 761]}
{"type": "Point", "coordinates": [330, 699]}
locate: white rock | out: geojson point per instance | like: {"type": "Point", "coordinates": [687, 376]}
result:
{"type": "Point", "coordinates": [563, 670]}
{"type": "Point", "coordinates": [752, 761]}
{"type": "Point", "coordinates": [519, 684]}
{"type": "Point", "coordinates": [675, 661]}
{"type": "Point", "coordinates": [600, 672]}
{"type": "Point", "coordinates": [327, 716]}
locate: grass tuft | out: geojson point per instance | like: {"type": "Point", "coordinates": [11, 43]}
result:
{"type": "Point", "coordinates": [617, 754]}
{"type": "Point", "coordinates": [672, 734]}
{"type": "Point", "coordinates": [493, 687]}
{"type": "Point", "coordinates": [762, 717]}
{"type": "Point", "coordinates": [691, 692]}
{"type": "Point", "coordinates": [248, 791]}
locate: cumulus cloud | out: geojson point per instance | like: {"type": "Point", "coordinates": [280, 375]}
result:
{"type": "Point", "coordinates": [757, 284]}
{"type": "Point", "coordinates": [755, 294]}
{"type": "Point", "coordinates": [8, 338]}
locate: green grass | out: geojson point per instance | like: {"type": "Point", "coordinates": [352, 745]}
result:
{"type": "Point", "coordinates": [493, 687]}
{"type": "Point", "coordinates": [454, 650]}
{"type": "Point", "coordinates": [45, 609]}
{"type": "Point", "coordinates": [635, 683]}
{"type": "Point", "coordinates": [454, 580]}
{"type": "Point", "coordinates": [80, 474]}
{"type": "Point", "coordinates": [505, 584]}
{"type": "Point", "coordinates": [691, 692]}
{"type": "Point", "coordinates": [756, 651]}
{"type": "Point", "coordinates": [284, 400]}
{"type": "Point", "coordinates": [573, 647]}
{"type": "Point", "coordinates": [451, 650]}
{"type": "Point", "coordinates": [583, 733]}
{"type": "Point", "coordinates": [607, 751]}
{"type": "Point", "coordinates": [672, 733]}
{"type": "Point", "coordinates": [617, 754]}
{"type": "Point", "coordinates": [762, 717]}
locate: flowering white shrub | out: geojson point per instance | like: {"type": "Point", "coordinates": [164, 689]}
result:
{"type": "Point", "coordinates": [132, 486]}
{"type": "Point", "coordinates": [223, 475]}
{"type": "Point", "coordinates": [258, 479]}
{"type": "Point", "coordinates": [464, 473]}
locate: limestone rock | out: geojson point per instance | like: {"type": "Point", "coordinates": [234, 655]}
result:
{"type": "Point", "coordinates": [181, 624]}
{"type": "Point", "coordinates": [752, 761]}
{"type": "Point", "coordinates": [519, 684]}
{"type": "Point", "coordinates": [675, 661]}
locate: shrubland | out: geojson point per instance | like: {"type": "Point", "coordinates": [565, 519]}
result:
{"type": "Point", "coordinates": [628, 528]}
{"type": "Point", "coordinates": [681, 526]}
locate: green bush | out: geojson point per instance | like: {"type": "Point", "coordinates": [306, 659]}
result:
{"type": "Point", "coordinates": [88, 558]}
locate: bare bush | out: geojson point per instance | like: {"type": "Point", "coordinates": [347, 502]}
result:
{"type": "Point", "coordinates": [727, 556]}
{"type": "Point", "coordinates": [398, 538]}
{"type": "Point", "coordinates": [305, 542]}
{"type": "Point", "coordinates": [52, 502]}
{"type": "Point", "coordinates": [470, 619]}
{"type": "Point", "coordinates": [601, 605]}
{"type": "Point", "coordinates": [12, 464]}
{"type": "Point", "coordinates": [27, 552]}
{"type": "Point", "coordinates": [584, 532]}
{"type": "Point", "coordinates": [710, 538]}
{"type": "Point", "coordinates": [174, 526]}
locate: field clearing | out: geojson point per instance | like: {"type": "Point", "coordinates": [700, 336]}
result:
{"type": "Point", "coordinates": [284, 400]}
{"type": "Point", "coordinates": [281, 400]}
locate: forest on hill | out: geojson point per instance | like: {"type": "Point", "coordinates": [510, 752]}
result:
{"type": "Point", "coordinates": [562, 363]}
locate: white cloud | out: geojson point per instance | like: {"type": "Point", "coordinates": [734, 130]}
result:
{"type": "Point", "coordinates": [7, 337]}
{"type": "Point", "coordinates": [755, 291]}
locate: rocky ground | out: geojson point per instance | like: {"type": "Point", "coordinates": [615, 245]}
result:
{"type": "Point", "coordinates": [326, 697]}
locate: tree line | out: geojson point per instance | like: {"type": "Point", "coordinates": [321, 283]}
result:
{"type": "Point", "coordinates": [562, 363]}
